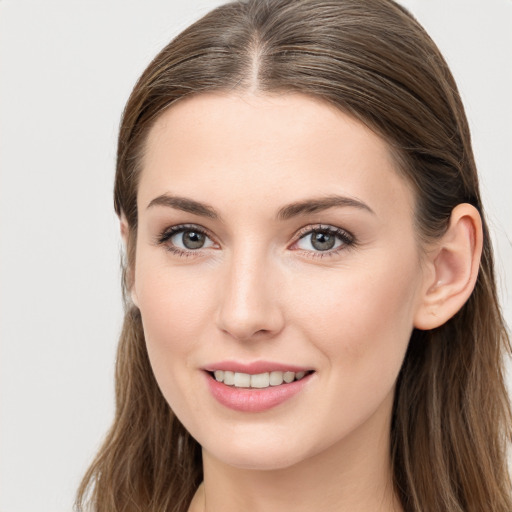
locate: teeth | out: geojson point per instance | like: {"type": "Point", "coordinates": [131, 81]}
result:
{"type": "Point", "coordinates": [229, 378]}
{"type": "Point", "coordinates": [242, 380]}
{"type": "Point", "coordinates": [260, 380]}
{"type": "Point", "coordinates": [288, 377]}
{"type": "Point", "coordinates": [276, 378]}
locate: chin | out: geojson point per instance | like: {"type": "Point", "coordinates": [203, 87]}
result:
{"type": "Point", "coordinates": [259, 461]}
{"type": "Point", "coordinates": [264, 456]}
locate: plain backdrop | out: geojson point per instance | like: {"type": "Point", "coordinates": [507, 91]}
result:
{"type": "Point", "coordinates": [66, 69]}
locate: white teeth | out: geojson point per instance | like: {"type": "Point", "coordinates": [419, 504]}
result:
{"type": "Point", "coordinates": [242, 380]}
{"type": "Point", "coordinates": [288, 377]}
{"type": "Point", "coordinates": [260, 380]}
{"type": "Point", "coordinates": [276, 378]}
{"type": "Point", "coordinates": [229, 378]}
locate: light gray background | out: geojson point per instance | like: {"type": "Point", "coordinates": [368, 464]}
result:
{"type": "Point", "coordinates": [66, 68]}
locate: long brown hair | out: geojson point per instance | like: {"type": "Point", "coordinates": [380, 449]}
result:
{"type": "Point", "coordinates": [451, 419]}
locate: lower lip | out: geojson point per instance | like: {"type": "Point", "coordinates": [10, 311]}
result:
{"type": "Point", "coordinates": [253, 399]}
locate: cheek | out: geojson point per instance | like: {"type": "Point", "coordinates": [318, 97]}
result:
{"type": "Point", "coordinates": [361, 317]}
{"type": "Point", "coordinates": [174, 316]}
{"type": "Point", "coordinates": [174, 307]}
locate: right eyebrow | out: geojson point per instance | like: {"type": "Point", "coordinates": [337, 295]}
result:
{"type": "Point", "coordinates": [185, 204]}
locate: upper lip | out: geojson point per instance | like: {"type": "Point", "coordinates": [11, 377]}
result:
{"type": "Point", "coordinates": [255, 367]}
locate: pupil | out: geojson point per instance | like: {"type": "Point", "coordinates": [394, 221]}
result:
{"type": "Point", "coordinates": [193, 240]}
{"type": "Point", "coordinates": [323, 241]}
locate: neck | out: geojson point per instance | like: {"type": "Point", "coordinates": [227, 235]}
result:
{"type": "Point", "coordinates": [352, 476]}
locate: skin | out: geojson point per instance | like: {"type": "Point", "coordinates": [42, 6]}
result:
{"type": "Point", "coordinates": [258, 291]}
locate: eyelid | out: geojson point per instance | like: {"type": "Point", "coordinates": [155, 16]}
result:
{"type": "Point", "coordinates": [306, 230]}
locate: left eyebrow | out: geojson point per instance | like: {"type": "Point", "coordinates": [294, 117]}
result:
{"type": "Point", "coordinates": [319, 204]}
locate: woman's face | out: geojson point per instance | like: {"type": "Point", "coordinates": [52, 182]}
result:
{"type": "Point", "coordinates": [275, 238]}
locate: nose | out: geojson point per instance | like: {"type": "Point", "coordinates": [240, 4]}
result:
{"type": "Point", "coordinates": [249, 307]}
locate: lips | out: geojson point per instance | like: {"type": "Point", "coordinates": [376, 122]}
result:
{"type": "Point", "coordinates": [257, 386]}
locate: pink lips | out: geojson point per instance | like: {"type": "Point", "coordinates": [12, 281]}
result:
{"type": "Point", "coordinates": [251, 399]}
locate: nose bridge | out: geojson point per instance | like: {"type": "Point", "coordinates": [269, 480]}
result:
{"type": "Point", "coordinates": [248, 297]}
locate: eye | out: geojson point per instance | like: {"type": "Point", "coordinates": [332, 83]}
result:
{"type": "Point", "coordinates": [190, 239]}
{"type": "Point", "coordinates": [182, 239]}
{"type": "Point", "coordinates": [324, 239]}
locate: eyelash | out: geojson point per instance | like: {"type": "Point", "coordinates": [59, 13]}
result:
{"type": "Point", "coordinates": [347, 239]}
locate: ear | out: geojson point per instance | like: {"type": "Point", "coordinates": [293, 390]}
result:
{"type": "Point", "coordinates": [123, 225]}
{"type": "Point", "coordinates": [452, 269]}
{"type": "Point", "coordinates": [125, 233]}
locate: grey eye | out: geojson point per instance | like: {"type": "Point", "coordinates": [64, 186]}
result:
{"type": "Point", "coordinates": [322, 241]}
{"type": "Point", "coordinates": [190, 239]}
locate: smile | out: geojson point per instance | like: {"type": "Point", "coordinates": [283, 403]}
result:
{"type": "Point", "coordinates": [259, 380]}
{"type": "Point", "coordinates": [256, 390]}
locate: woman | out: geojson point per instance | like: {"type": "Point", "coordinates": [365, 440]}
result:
{"type": "Point", "coordinates": [311, 311]}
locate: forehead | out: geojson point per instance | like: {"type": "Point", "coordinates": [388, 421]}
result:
{"type": "Point", "coordinates": [271, 147]}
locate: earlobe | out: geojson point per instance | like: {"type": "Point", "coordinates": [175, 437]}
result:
{"type": "Point", "coordinates": [133, 296]}
{"type": "Point", "coordinates": [453, 265]}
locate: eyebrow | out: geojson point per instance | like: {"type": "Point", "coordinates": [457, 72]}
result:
{"type": "Point", "coordinates": [286, 212]}
{"type": "Point", "coordinates": [184, 204]}
{"type": "Point", "coordinates": [319, 204]}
